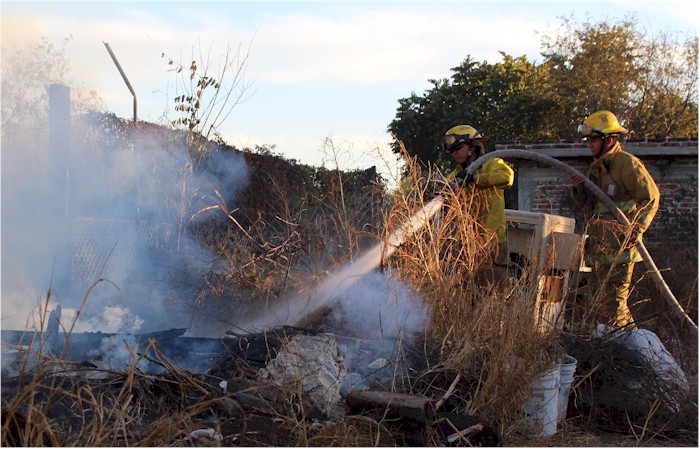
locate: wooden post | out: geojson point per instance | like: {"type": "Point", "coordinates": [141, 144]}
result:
{"type": "Point", "coordinates": [410, 414]}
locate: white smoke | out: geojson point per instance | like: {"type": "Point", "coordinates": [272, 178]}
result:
{"type": "Point", "coordinates": [380, 304]}
{"type": "Point", "coordinates": [113, 319]}
{"type": "Point", "coordinates": [382, 317]}
{"type": "Point", "coordinates": [123, 255]}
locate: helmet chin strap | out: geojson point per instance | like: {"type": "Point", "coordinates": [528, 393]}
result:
{"type": "Point", "coordinates": [603, 149]}
{"type": "Point", "coordinates": [474, 152]}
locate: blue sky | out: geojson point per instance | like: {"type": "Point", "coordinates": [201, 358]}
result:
{"type": "Point", "coordinates": [315, 70]}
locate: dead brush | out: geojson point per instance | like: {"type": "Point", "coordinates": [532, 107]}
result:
{"type": "Point", "coordinates": [592, 300]}
{"type": "Point", "coordinates": [66, 404]}
{"type": "Point", "coordinates": [352, 431]}
{"type": "Point", "coordinates": [483, 326]}
{"type": "Point", "coordinates": [57, 402]}
{"type": "Point", "coordinates": [252, 265]}
{"type": "Point", "coordinates": [24, 422]}
{"type": "Point", "coordinates": [264, 253]}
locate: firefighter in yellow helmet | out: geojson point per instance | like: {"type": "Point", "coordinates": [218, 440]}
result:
{"type": "Point", "coordinates": [610, 249]}
{"type": "Point", "coordinates": [489, 181]}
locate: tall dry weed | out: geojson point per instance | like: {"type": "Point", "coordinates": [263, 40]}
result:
{"type": "Point", "coordinates": [484, 324]}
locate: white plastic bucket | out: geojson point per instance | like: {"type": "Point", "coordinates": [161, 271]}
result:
{"type": "Point", "coordinates": [566, 377]}
{"type": "Point", "coordinates": [541, 410]}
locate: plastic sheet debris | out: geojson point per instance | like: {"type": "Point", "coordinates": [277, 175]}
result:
{"type": "Point", "coordinates": [314, 362]}
{"type": "Point", "coordinates": [204, 437]}
{"type": "Point", "coordinates": [379, 363]}
{"type": "Point", "coordinates": [647, 344]}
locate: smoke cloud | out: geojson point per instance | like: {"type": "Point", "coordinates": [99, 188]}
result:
{"type": "Point", "coordinates": [382, 316]}
{"type": "Point", "coordinates": [102, 226]}
{"type": "Point", "coordinates": [380, 304]}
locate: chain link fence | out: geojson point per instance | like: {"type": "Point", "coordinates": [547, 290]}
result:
{"type": "Point", "coordinates": [105, 248]}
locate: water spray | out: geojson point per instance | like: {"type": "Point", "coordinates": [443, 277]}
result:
{"type": "Point", "coordinates": [291, 311]}
{"type": "Point", "coordinates": [621, 218]}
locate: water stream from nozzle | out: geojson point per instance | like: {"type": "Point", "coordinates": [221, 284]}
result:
{"type": "Point", "coordinates": [292, 310]}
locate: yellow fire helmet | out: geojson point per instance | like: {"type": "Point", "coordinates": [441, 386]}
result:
{"type": "Point", "coordinates": [457, 135]}
{"type": "Point", "coordinates": [602, 123]}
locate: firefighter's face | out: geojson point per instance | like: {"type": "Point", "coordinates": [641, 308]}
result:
{"type": "Point", "coordinates": [462, 154]}
{"type": "Point", "coordinates": [595, 144]}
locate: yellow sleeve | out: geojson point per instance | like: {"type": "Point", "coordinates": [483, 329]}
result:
{"type": "Point", "coordinates": [495, 173]}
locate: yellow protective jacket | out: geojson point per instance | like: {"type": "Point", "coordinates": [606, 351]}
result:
{"type": "Point", "coordinates": [625, 179]}
{"type": "Point", "coordinates": [494, 176]}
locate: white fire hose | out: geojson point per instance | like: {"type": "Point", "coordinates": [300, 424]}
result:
{"type": "Point", "coordinates": [524, 154]}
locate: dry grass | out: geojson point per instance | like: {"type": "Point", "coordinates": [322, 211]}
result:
{"type": "Point", "coordinates": [483, 325]}
{"type": "Point", "coordinates": [353, 431]}
{"type": "Point", "coordinates": [60, 403]}
{"type": "Point", "coordinates": [483, 349]}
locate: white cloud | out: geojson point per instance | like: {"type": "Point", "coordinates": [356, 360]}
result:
{"type": "Point", "coordinates": [339, 43]}
{"type": "Point", "coordinates": [381, 45]}
{"type": "Point", "coordinates": [357, 44]}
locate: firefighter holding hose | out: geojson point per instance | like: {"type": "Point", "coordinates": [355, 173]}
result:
{"type": "Point", "coordinates": [488, 182]}
{"type": "Point", "coordinates": [610, 249]}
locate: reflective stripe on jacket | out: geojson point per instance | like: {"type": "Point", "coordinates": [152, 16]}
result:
{"type": "Point", "coordinates": [625, 179]}
{"type": "Point", "coordinates": [490, 180]}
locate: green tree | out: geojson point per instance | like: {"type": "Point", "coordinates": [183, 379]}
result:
{"type": "Point", "coordinates": [667, 99]}
{"type": "Point", "coordinates": [650, 83]}
{"type": "Point", "coordinates": [505, 101]}
{"type": "Point", "coordinates": [595, 66]}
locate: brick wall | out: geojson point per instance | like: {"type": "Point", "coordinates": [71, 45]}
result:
{"type": "Point", "coordinates": [672, 164]}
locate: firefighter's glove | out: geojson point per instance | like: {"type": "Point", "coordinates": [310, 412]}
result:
{"type": "Point", "coordinates": [461, 180]}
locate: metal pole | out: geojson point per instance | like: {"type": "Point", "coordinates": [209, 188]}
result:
{"type": "Point", "coordinates": [126, 80]}
{"type": "Point", "coordinates": [136, 120]}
